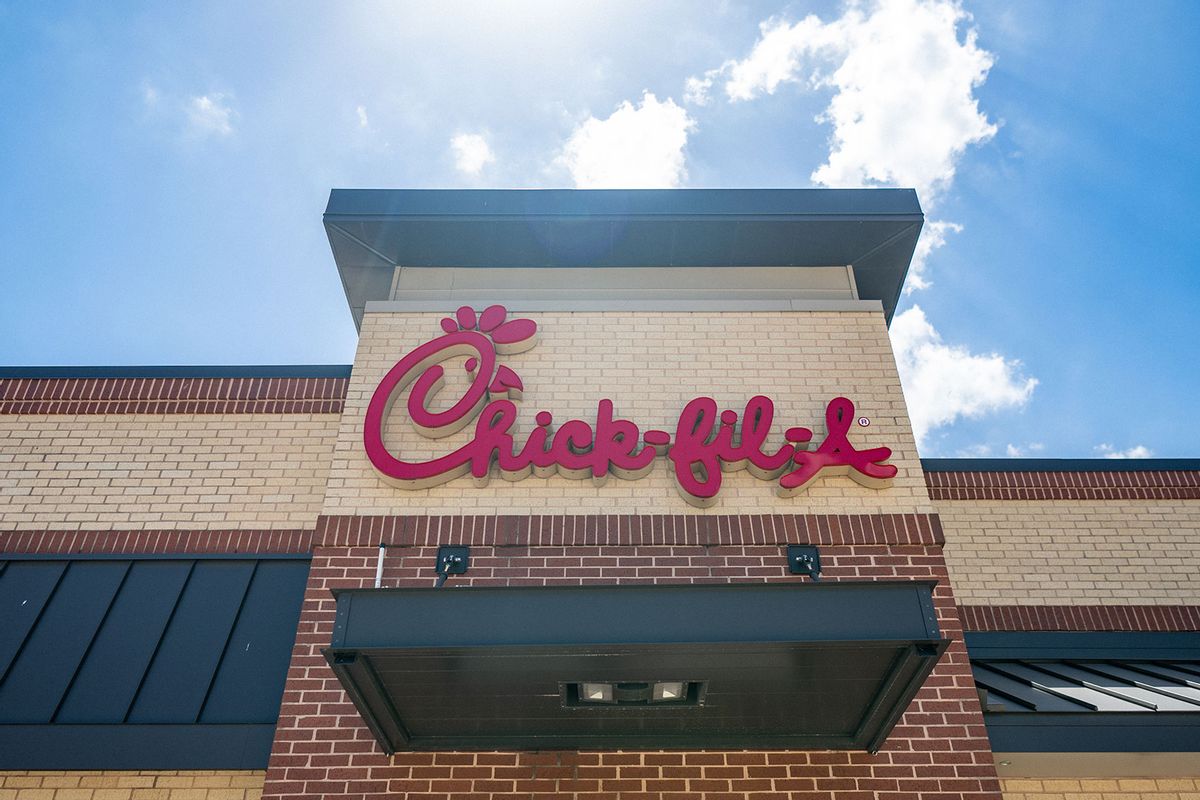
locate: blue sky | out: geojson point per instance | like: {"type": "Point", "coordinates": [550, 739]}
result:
{"type": "Point", "coordinates": [165, 168]}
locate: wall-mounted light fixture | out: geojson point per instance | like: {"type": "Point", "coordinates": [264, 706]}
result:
{"type": "Point", "coordinates": [452, 560]}
{"type": "Point", "coordinates": [804, 559]}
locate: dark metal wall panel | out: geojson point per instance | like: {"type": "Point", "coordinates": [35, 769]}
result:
{"type": "Point", "coordinates": [43, 669]}
{"type": "Point", "coordinates": [24, 589]}
{"type": "Point", "coordinates": [197, 646]}
{"type": "Point", "coordinates": [108, 681]}
{"type": "Point", "coordinates": [1053, 645]}
{"type": "Point", "coordinates": [1089, 692]}
{"type": "Point", "coordinates": [130, 747]}
{"type": "Point", "coordinates": [1094, 733]}
{"type": "Point", "coordinates": [183, 668]}
{"type": "Point", "coordinates": [261, 645]}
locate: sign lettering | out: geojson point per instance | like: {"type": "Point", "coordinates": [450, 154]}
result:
{"type": "Point", "coordinates": [706, 442]}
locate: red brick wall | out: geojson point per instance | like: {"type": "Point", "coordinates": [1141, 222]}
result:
{"type": "Point", "coordinates": [938, 750]}
{"type": "Point", "coordinates": [1080, 618]}
{"type": "Point", "coordinates": [173, 395]}
{"type": "Point", "coordinates": [1081, 485]}
{"type": "Point", "coordinates": [240, 540]}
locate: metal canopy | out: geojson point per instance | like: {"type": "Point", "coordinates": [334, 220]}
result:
{"type": "Point", "coordinates": [789, 666]}
{"type": "Point", "coordinates": [372, 231]}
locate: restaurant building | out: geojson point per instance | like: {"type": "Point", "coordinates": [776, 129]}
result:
{"type": "Point", "coordinates": [620, 498]}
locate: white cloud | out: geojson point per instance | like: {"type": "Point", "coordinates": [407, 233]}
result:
{"type": "Point", "coordinates": [1021, 451]}
{"type": "Point", "coordinates": [1137, 451]}
{"type": "Point", "coordinates": [903, 110]}
{"type": "Point", "coordinates": [471, 153]}
{"type": "Point", "coordinates": [363, 121]}
{"type": "Point", "coordinates": [933, 236]}
{"type": "Point", "coordinates": [150, 96]}
{"type": "Point", "coordinates": [210, 115]}
{"type": "Point", "coordinates": [783, 50]}
{"type": "Point", "coordinates": [637, 147]}
{"type": "Point", "coordinates": [695, 90]}
{"type": "Point", "coordinates": [943, 383]}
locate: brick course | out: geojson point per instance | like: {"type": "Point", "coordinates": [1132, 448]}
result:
{"type": "Point", "coordinates": [156, 541]}
{"type": "Point", "coordinates": [1080, 618]}
{"type": "Point", "coordinates": [1106, 485]}
{"type": "Point", "coordinates": [172, 395]}
{"type": "Point", "coordinates": [631, 529]}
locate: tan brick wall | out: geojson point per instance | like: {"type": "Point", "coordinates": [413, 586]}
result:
{"type": "Point", "coordinates": [164, 471]}
{"type": "Point", "coordinates": [141, 785]}
{"type": "Point", "coordinates": [1073, 552]}
{"type": "Point", "coordinates": [650, 365]}
{"type": "Point", "coordinates": [1102, 789]}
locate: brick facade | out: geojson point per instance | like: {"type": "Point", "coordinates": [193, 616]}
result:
{"type": "Point", "coordinates": [158, 471]}
{"type": "Point", "coordinates": [650, 365]}
{"type": "Point", "coordinates": [322, 748]}
{"type": "Point", "coordinates": [274, 466]}
{"type": "Point", "coordinates": [1064, 552]}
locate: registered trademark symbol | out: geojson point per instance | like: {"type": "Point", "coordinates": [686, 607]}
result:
{"type": "Point", "coordinates": [863, 421]}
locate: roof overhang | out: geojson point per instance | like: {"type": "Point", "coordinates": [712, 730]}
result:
{"type": "Point", "coordinates": [788, 666]}
{"type": "Point", "coordinates": [372, 231]}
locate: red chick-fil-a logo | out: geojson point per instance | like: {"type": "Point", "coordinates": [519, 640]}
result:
{"type": "Point", "coordinates": [705, 444]}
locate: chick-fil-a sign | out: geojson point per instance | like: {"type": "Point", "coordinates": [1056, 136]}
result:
{"type": "Point", "coordinates": [706, 441]}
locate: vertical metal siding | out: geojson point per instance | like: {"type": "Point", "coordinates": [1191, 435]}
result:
{"type": "Point", "coordinates": [108, 680]}
{"type": "Point", "coordinates": [261, 644]}
{"type": "Point", "coordinates": [55, 647]}
{"type": "Point", "coordinates": [163, 640]}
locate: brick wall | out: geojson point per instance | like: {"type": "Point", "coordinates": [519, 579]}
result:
{"type": "Point", "coordinates": [1103, 789]}
{"type": "Point", "coordinates": [322, 748]}
{"type": "Point", "coordinates": [650, 365]}
{"type": "Point", "coordinates": [164, 470]}
{"type": "Point", "coordinates": [134, 785]}
{"type": "Point", "coordinates": [1073, 552]}
{"type": "Point", "coordinates": [1133, 484]}
{"type": "Point", "coordinates": [263, 395]}
{"type": "Point", "coordinates": [1162, 619]}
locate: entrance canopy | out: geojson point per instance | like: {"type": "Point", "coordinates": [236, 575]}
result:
{"type": "Point", "coordinates": [788, 666]}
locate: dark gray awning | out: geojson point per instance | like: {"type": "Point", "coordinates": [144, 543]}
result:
{"type": "Point", "coordinates": [795, 666]}
{"type": "Point", "coordinates": [131, 662]}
